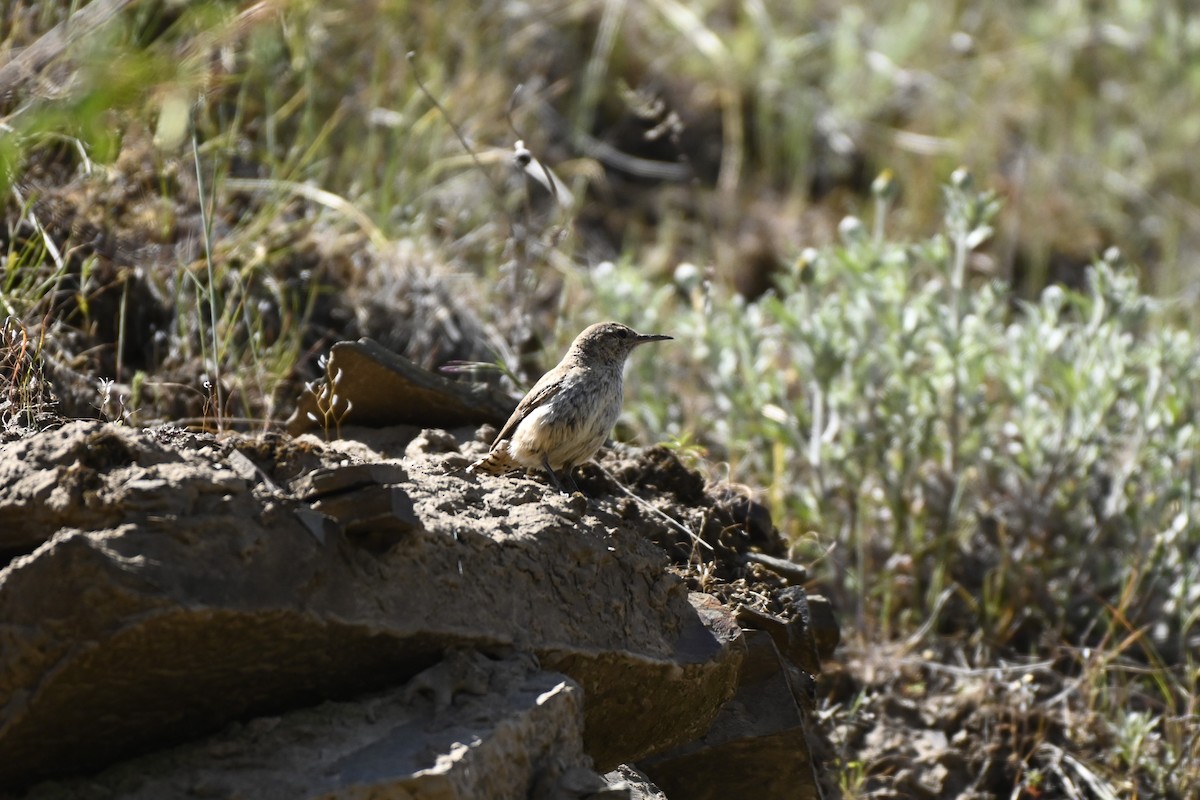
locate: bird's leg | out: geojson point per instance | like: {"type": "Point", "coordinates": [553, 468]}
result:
{"type": "Point", "coordinates": [554, 481]}
{"type": "Point", "coordinates": [569, 479]}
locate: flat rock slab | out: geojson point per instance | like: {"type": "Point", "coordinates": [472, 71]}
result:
{"type": "Point", "coordinates": [376, 387]}
{"type": "Point", "coordinates": [187, 586]}
{"type": "Point", "coordinates": [517, 731]}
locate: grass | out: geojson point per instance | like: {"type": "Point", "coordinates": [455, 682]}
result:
{"type": "Point", "coordinates": [969, 401]}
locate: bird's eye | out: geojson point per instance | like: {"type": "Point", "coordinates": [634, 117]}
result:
{"type": "Point", "coordinates": [623, 333]}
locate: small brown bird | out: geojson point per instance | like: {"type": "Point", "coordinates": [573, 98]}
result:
{"type": "Point", "coordinates": [569, 413]}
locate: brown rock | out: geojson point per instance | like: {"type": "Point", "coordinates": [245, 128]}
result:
{"type": "Point", "coordinates": [823, 623]}
{"type": "Point", "coordinates": [53, 480]}
{"type": "Point", "coordinates": [211, 599]}
{"type": "Point", "coordinates": [384, 388]}
{"type": "Point", "coordinates": [396, 744]}
{"type": "Point", "coordinates": [758, 744]}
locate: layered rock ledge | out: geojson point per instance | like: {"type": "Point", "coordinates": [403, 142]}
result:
{"type": "Point", "coordinates": [162, 585]}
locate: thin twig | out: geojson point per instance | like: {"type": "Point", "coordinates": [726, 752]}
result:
{"type": "Point", "coordinates": [517, 235]}
{"type": "Point", "coordinates": [412, 60]}
{"type": "Point", "coordinates": [512, 105]}
{"type": "Point", "coordinates": [206, 226]}
{"type": "Point", "coordinates": [674, 523]}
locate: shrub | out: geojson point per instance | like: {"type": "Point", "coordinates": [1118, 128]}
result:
{"type": "Point", "coordinates": [1023, 468]}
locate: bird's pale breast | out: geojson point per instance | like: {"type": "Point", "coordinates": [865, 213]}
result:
{"type": "Point", "coordinates": [572, 425]}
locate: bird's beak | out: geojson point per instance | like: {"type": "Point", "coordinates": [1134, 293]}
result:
{"type": "Point", "coordinates": [642, 338]}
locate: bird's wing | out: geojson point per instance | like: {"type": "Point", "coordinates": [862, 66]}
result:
{"type": "Point", "coordinates": [542, 391]}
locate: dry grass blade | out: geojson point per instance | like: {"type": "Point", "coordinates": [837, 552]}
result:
{"type": "Point", "coordinates": [1099, 788]}
{"type": "Point", "coordinates": [28, 63]}
{"type": "Point", "coordinates": [328, 199]}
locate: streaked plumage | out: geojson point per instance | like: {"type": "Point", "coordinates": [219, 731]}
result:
{"type": "Point", "coordinates": [569, 412]}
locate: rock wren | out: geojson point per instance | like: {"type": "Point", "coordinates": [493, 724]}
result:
{"type": "Point", "coordinates": [569, 413]}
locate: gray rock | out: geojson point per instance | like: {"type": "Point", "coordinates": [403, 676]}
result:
{"type": "Point", "coordinates": [635, 782]}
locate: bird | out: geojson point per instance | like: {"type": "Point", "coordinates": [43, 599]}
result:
{"type": "Point", "coordinates": [569, 412]}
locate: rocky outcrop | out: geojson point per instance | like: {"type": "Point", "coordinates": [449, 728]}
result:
{"type": "Point", "coordinates": [508, 726]}
{"type": "Point", "coordinates": [164, 585]}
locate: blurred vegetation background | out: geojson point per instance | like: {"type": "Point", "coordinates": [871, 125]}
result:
{"type": "Point", "coordinates": [932, 270]}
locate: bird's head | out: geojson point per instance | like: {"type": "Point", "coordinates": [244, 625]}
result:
{"type": "Point", "coordinates": [609, 342]}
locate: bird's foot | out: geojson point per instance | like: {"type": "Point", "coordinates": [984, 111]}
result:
{"type": "Point", "coordinates": [566, 484]}
{"type": "Point", "coordinates": [570, 482]}
{"type": "Point", "coordinates": [554, 481]}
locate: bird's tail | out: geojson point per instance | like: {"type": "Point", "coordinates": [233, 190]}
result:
{"type": "Point", "coordinates": [497, 462]}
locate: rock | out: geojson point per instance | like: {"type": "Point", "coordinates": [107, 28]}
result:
{"type": "Point", "coordinates": [824, 626]}
{"type": "Point", "coordinates": [387, 745]}
{"type": "Point", "coordinates": [793, 573]}
{"type": "Point", "coordinates": [758, 744]}
{"type": "Point", "coordinates": [377, 388]}
{"type": "Point", "coordinates": [793, 637]}
{"type": "Point", "coordinates": [342, 478]}
{"type": "Point", "coordinates": [172, 593]}
{"type": "Point", "coordinates": [90, 474]}
{"type": "Point", "coordinates": [53, 480]}
{"type": "Point", "coordinates": [635, 782]}
{"type": "Point", "coordinates": [615, 699]}
{"type": "Point", "coordinates": [361, 500]}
